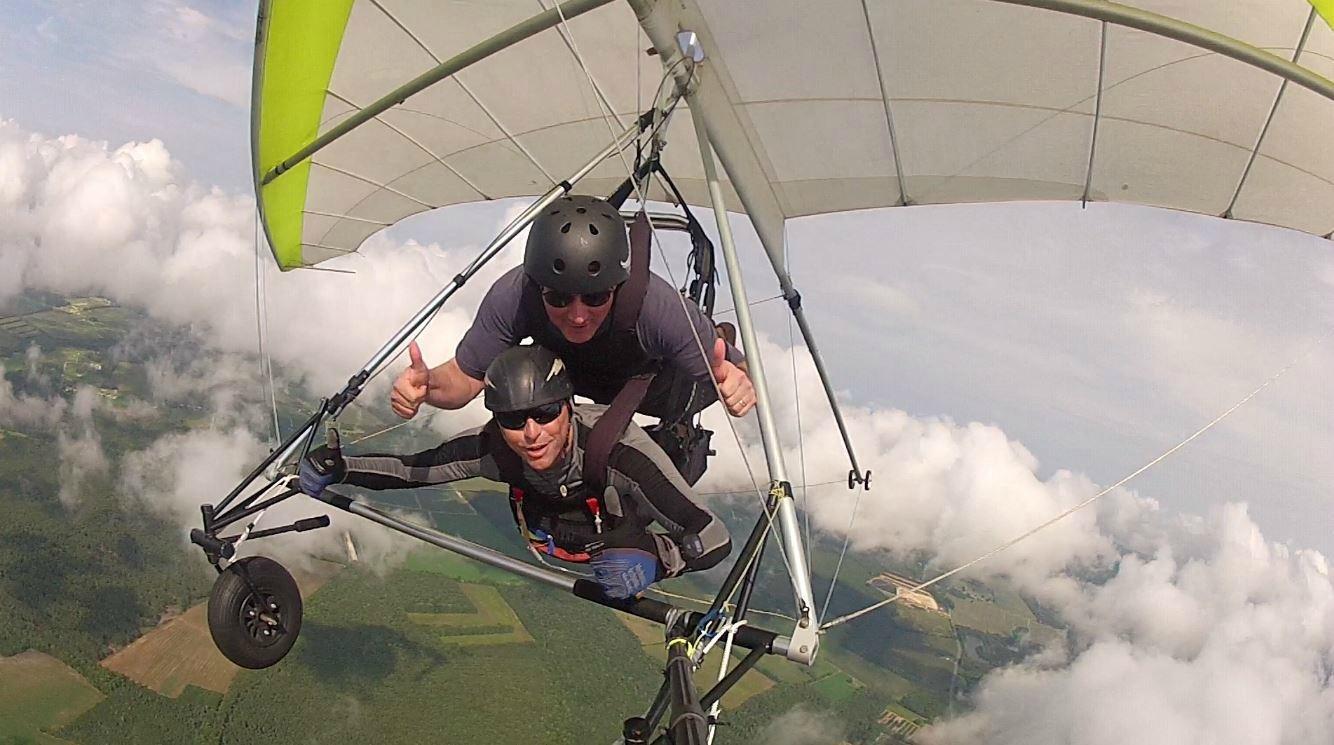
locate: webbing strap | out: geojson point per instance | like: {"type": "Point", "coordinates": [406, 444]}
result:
{"type": "Point", "coordinates": [630, 296]}
{"type": "Point", "coordinates": [610, 428]}
{"type": "Point", "coordinates": [625, 315]}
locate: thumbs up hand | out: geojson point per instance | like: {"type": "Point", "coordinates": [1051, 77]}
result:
{"type": "Point", "coordinates": [411, 386]}
{"type": "Point", "coordinates": [734, 386]}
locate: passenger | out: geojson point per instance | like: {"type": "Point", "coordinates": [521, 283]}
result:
{"type": "Point", "coordinates": [535, 443]}
{"type": "Point", "coordinates": [574, 271]}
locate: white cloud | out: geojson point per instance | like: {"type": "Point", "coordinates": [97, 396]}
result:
{"type": "Point", "coordinates": [803, 726]}
{"type": "Point", "coordinates": [197, 50]}
{"type": "Point", "coordinates": [81, 458]}
{"type": "Point", "coordinates": [952, 491]}
{"type": "Point", "coordinates": [21, 410]}
{"type": "Point", "coordinates": [80, 216]}
{"type": "Point", "coordinates": [1200, 613]}
{"type": "Point", "coordinates": [1205, 630]}
{"type": "Point", "coordinates": [125, 223]}
{"type": "Point", "coordinates": [1219, 636]}
{"type": "Point", "coordinates": [178, 472]}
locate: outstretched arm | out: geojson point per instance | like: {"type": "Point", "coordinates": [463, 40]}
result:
{"type": "Point", "coordinates": [460, 457]}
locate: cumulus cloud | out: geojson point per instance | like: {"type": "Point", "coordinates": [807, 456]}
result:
{"type": "Point", "coordinates": [949, 490]}
{"type": "Point", "coordinates": [180, 471]}
{"type": "Point", "coordinates": [81, 459]}
{"type": "Point", "coordinates": [1199, 614]}
{"type": "Point", "coordinates": [78, 216]}
{"type": "Point", "coordinates": [1232, 643]}
{"type": "Point", "coordinates": [1199, 629]}
{"type": "Point", "coordinates": [24, 410]}
{"type": "Point", "coordinates": [79, 454]}
{"type": "Point", "coordinates": [33, 357]}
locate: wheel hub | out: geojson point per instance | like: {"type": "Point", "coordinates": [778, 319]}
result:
{"type": "Point", "coordinates": [262, 619]}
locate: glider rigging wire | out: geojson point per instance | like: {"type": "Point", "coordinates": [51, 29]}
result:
{"type": "Point", "coordinates": [1052, 521]}
{"type": "Point", "coordinates": [262, 327]}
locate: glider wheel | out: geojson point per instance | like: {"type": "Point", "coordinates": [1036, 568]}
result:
{"type": "Point", "coordinates": [254, 612]}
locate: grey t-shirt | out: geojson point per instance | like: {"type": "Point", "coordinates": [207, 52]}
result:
{"type": "Point", "coordinates": [664, 329]}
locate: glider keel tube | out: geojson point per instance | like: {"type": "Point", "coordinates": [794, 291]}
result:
{"type": "Point", "coordinates": [648, 609]}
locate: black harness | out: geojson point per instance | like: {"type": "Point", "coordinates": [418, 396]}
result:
{"type": "Point", "coordinates": [570, 525]}
{"type": "Point", "coordinates": [577, 522]}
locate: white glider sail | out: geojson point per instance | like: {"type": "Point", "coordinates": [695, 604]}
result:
{"type": "Point", "coordinates": [843, 105]}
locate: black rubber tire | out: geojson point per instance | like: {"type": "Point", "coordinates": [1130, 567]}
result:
{"type": "Point", "coordinates": [236, 620]}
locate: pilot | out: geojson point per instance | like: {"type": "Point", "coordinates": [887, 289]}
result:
{"type": "Point", "coordinates": [535, 442]}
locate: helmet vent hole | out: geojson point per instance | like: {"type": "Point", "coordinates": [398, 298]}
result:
{"type": "Point", "coordinates": [592, 228]}
{"type": "Point", "coordinates": [558, 265]}
{"type": "Point", "coordinates": [554, 212]}
{"type": "Point", "coordinates": [581, 210]}
{"type": "Point", "coordinates": [594, 267]}
{"type": "Point", "coordinates": [565, 228]}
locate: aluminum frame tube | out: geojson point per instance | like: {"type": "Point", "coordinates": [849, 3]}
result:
{"type": "Point", "coordinates": [459, 546]}
{"type": "Point", "coordinates": [773, 452]}
{"type": "Point", "coordinates": [688, 725]}
{"type": "Point", "coordinates": [1172, 28]}
{"type": "Point", "coordinates": [277, 456]}
{"type": "Point", "coordinates": [750, 637]}
{"type": "Point", "coordinates": [725, 684]}
{"type": "Point", "coordinates": [809, 337]}
{"type": "Point", "coordinates": [794, 550]}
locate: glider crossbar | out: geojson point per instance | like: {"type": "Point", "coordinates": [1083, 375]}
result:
{"type": "Point", "coordinates": [657, 611]}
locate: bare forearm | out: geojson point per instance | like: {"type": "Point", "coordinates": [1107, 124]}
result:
{"type": "Point", "coordinates": [450, 387]}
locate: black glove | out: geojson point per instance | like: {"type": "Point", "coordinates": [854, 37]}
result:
{"type": "Point", "coordinates": [691, 546]}
{"type": "Point", "coordinates": [320, 468]}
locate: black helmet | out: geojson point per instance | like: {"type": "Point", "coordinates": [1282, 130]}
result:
{"type": "Point", "coordinates": [522, 378]}
{"type": "Point", "coordinates": [578, 245]}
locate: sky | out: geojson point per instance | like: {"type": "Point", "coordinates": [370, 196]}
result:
{"type": "Point", "coordinates": [998, 364]}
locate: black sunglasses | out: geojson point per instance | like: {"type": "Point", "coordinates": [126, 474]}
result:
{"type": "Point", "coordinates": [590, 299]}
{"type": "Point", "coordinates": [544, 414]}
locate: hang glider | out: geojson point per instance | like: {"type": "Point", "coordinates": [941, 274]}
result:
{"type": "Point", "coordinates": [368, 111]}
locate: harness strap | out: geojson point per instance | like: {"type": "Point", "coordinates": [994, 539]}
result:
{"type": "Point", "coordinates": [610, 428]}
{"type": "Point", "coordinates": [540, 541]}
{"type": "Point", "coordinates": [625, 315]}
{"type": "Point", "coordinates": [630, 296]}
